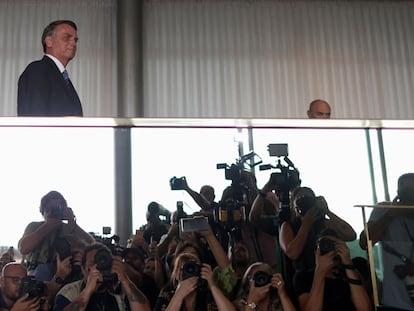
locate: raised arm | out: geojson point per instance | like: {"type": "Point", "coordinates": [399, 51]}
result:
{"type": "Point", "coordinates": [216, 248]}
{"type": "Point", "coordinates": [137, 300]}
{"type": "Point", "coordinates": [35, 233]}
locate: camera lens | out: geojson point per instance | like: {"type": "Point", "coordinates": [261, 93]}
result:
{"type": "Point", "coordinates": [326, 246]}
{"type": "Point", "coordinates": [304, 204]}
{"type": "Point", "coordinates": [103, 260]}
{"type": "Point", "coordinates": [190, 269]}
{"type": "Point", "coordinates": [261, 278]}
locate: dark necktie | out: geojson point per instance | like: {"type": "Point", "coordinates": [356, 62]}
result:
{"type": "Point", "coordinates": [66, 77]}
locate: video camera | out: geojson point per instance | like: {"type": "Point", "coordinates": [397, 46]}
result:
{"type": "Point", "coordinates": [234, 172]}
{"type": "Point", "coordinates": [112, 242]}
{"type": "Point", "coordinates": [155, 210]}
{"type": "Point", "coordinates": [232, 210]}
{"type": "Point", "coordinates": [285, 178]}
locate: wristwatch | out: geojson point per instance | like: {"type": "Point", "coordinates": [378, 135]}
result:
{"type": "Point", "coordinates": [58, 280]}
{"type": "Point", "coordinates": [252, 305]}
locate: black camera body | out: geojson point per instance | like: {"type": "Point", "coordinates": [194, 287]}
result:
{"type": "Point", "coordinates": [287, 179]}
{"type": "Point", "coordinates": [304, 204]}
{"type": "Point", "coordinates": [155, 210]}
{"type": "Point", "coordinates": [56, 212]}
{"type": "Point", "coordinates": [103, 261]}
{"type": "Point", "coordinates": [177, 183]}
{"type": "Point", "coordinates": [35, 288]}
{"type": "Point", "coordinates": [190, 269]}
{"type": "Point", "coordinates": [261, 278]}
{"type": "Point", "coordinates": [325, 246]}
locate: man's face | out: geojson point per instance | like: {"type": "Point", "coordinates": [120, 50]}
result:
{"type": "Point", "coordinates": [134, 260]}
{"type": "Point", "coordinates": [10, 281]}
{"type": "Point", "coordinates": [319, 110]}
{"type": "Point", "coordinates": [63, 43]}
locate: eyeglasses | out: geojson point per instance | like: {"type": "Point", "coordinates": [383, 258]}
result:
{"type": "Point", "coordinates": [15, 279]}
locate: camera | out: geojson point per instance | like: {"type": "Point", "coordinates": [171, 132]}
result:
{"type": "Point", "coordinates": [284, 179]}
{"type": "Point", "coordinates": [103, 261]}
{"type": "Point", "coordinates": [231, 212]}
{"type": "Point", "coordinates": [325, 246]}
{"type": "Point", "coordinates": [234, 172]}
{"type": "Point", "coordinates": [177, 183]}
{"type": "Point", "coordinates": [193, 224]}
{"type": "Point", "coordinates": [304, 204]}
{"type": "Point", "coordinates": [56, 212]}
{"type": "Point", "coordinates": [190, 269]}
{"type": "Point", "coordinates": [155, 210]}
{"type": "Point", "coordinates": [261, 278]}
{"type": "Point", "coordinates": [35, 288]}
{"type": "Point", "coordinates": [112, 242]}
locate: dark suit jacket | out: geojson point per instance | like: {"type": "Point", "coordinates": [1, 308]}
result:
{"type": "Point", "coordinates": [42, 91]}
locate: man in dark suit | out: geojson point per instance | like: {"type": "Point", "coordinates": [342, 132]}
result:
{"type": "Point", "coordinates": [44, 88]}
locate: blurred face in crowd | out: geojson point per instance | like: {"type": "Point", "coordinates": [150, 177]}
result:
{"type": "Point", "coordinates": [134, 260]}
{"type": "Point", "coordinates": [298, 194]}
{"type": "Point", "coordinates": [241, 253]}
{"type": "Point", "coordinates": [319, 110]}
{"type": "Point", "coordinates": [208, 193]}
{"type": "Point", "coordinates": [10, 280]}
{"type": "Point", "coordinates": [149, 268]}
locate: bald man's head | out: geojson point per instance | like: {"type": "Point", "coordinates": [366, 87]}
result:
{"type": "Point", "coordinates": [319, 109]}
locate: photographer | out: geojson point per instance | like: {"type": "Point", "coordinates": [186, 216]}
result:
{"type": "Point", "coordinates": [192, 287]}
{"type": "Point", "coordinates": [105, 286]}
{"type": "Point", "coordinates": [155, 228]}
{"type": "Point", "coordinates": [204, 198]}
{"type": "Point", "coordinates": [393, 227]}
{"type": "Point", "coordinates": [40, 239]}
{"type": "Point", "coordinates": [309, 216]}
{"type": "Point", "coordinates": [11, 298]}
{"type": "Point", "coordinates": [224, 275]}
{"type": "Point", "coordinates": [261, 289]}
{"type": "Point", "coordinates": [334, 283]}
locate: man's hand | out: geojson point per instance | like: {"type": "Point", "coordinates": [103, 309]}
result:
{"type": "Point", "coordinates": [63, 267]}
{"type": "Point", "coordinates": [94, 279]}
{"type": "Point", "coordinates": [120, 268]}
{"type": "Point", "coordinates": [24, 304]}
{"type": "Point", "coordinates": [69, 215]}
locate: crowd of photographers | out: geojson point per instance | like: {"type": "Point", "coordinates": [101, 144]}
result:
{"type": "Point", "coordinates": [278, 247]}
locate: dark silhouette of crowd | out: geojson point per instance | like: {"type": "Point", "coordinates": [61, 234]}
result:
{"type": "Point", "coordinates": [233, 254]}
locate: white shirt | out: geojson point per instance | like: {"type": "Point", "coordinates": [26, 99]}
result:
{"type": "Point", "coordinates": [57, 62]}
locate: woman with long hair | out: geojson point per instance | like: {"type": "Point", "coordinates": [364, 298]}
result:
{"type": "Point", "coordinates": [263, 290]}
{"type": "Point", "coordinates": [192, 287]}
